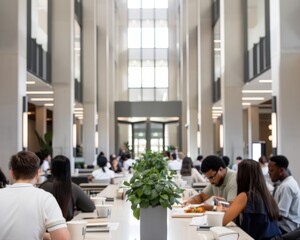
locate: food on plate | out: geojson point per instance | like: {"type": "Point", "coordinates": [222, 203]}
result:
{"type": "Point", "coordinates": [199, 209]}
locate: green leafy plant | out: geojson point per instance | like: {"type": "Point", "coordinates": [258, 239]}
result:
{"type": "Point", "coordinates": [45, 143]}
{"type": "Point", "coordinates": [151, 184]}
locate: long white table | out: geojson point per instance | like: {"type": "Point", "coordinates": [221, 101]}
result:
{"type": "Point", "coordinates": [127, 227]}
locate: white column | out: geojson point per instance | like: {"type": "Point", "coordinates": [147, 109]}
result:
{"type": "Point", "coordinates": [63, 77]}
{"type": "Point", "coordinates": [182, 89]}
{"type": "Point", "coordinates": [205, 78]}
{"type": "Point", "coordinates": [103, 76]}
{"type": "Point", "coordinates": [253, 127]}
{"type": "Point", "coordinates": [192, 77]}
{"type": "Point", "coordinates": [89, 79]}
{"type": "Point", "coordinates": [12, 78]}
{"type": "Point", "coordinates": [231, 19]}
{"type": "Point", "coordinates": [285, 55]}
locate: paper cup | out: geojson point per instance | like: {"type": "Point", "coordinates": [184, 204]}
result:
{"type": "Point", "coordinates": [99, 200]}
{"type": "Point", "coordinates": [214, 218]}
{"type": "Point", "coordinates": [77, 229]}
{"type": "Point", "coordinates": [103, 211]}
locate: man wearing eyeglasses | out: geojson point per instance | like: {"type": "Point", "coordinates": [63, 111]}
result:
{"type": "Point", "coordinates": [222, 182]}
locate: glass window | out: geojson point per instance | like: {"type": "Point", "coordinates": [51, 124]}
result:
{"type": "Point", "coordinates": [134, 74]}
{"type": "Point", "coordinates": [161, 37]}
{"type": "Point", "coordinates": [161, 3]}
{"type": "Point", "coordinates": [147, 3]}
{"type": "Point", "coordinates": [161, 77]}
{"type": "Point", "coordinates": [148, 77]}
{"type": "Point", "coordinates": [134, 3]}
{"type": "Point", "coordinates": [134, 37]}
{"type": "Point", "coordinates": [148, 94]}
{"type": "Point", "coordinates": [134, 95]}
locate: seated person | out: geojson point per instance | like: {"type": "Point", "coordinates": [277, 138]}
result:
{"type": "Point", "coordinates": [26, 211]}
{"type": "Point", "coordinates": [128, 162]}
{"type": "Point", "coordinates": [103, 172]}
{"type": "Point", "coordinates": [187, 170]}
{"type": "Point", "coordinates": [254, 208]}
{"type": "Point", "coordinates": [3, 179]}
{"type": "Point", "coordinates": [115, 166]}
{"type": "Point", "coordinates": [287, 194]}
{"type": "Point", "coordinates": [222, 182]}
{"type": "Point", "coordinates": [69, 196]}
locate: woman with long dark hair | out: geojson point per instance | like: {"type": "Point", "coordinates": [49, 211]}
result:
{"type": "Point", "coordinates": [254, 208]}
{"type": "Point", "coordinates": [189, 173]}
{"type": "Point", "coordinates": [69, 196]}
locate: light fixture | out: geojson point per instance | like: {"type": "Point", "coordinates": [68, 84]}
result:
{"type": "Point", "coordinates": [246, 104]}
{"type": "Point", "coordinates": [256, 91]}
{"type": "Point", "coordinates": [49, 104]}
{"type": "Point", "coordinates": [41, 99]}
{"type": "Point", "coordinates": [274, 126]}
{"type": "Point", "coordinates": [25, 123]}
{"type": "Point", "coordinates": [30, 82]}
{"type": "Point", "coordinates": [253, 98]}
{"type": "Point", "coordinates": [39, 92]}
{"type": "Point", "coordinates": [74, 134]}
{"type": "Point", "coordinates": [265, 81]}
{"type": "Point", "coordinates": [221, 133]}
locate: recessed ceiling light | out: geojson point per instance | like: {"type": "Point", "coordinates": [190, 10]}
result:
{"type": "Point", "coordinates": [265, 81]}
{"type": "Point", "coordinates": [39, 92]}
{"type": "Point", "coordinates": [256, 91]}
{"type": "Point", "coordinates": [253, 98]}
{"type": "Point", "coordinates": [30, 82]}
{"type": "Point", "coordinates": [246, 103]}
{"type": "Point", "coordinates": [48, 104]}
{"type": "Point", "coordinates": [41, 99]}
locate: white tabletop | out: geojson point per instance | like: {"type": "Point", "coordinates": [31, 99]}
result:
{"type": "Point", "coordinates": [126, 227]}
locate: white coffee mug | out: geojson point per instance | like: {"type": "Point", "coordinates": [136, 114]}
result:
{"type": "Point", "coordinates": [99, 200]}
{"type": "Point", "coordinates": [214, 218]}
{"type": "Point", "coordinates": [77, 229]}
{"type": "Point", "coordinates": [103, 211]}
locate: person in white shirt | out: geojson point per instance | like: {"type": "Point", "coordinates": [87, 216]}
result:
{"type": "Point", "coordinates": [175, 165]}
{"type": "Point", "coordinates": [128, 162]}
{"type": "Point", "coordinates": [28, 212]}
{"type": "Point", "coordinates": [103, 173]}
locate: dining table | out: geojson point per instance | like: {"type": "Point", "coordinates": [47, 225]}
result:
{"type": "Point", "coordinates": [121, 224]}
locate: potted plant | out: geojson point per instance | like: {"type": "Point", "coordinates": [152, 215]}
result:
{"type": "Point", "coordinates": [151, 191]}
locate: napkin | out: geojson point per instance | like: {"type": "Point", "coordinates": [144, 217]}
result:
{"type": "Point", "coordinates": [224, 233]}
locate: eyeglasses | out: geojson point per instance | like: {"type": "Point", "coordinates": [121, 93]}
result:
{"type": "Point", "coordinates": [211, 178]}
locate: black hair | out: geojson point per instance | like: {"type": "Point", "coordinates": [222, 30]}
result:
{"type": "Point", "coordinates": [226, 160]}
{"type": "Point", "coordinates": [212, 162]}
{"type": "Point", "coordinates": [200, 157]}
{"type": "Point", "coordinates": [239, 158]}
{"type": "Point", "coordinates": [101, 162]}
{"type": "Point", "coordinates": [280, 161]}
{"type": "Point", "coordinates": [62, 182]}
{"type": "Point", "coordinates": [251, 180]}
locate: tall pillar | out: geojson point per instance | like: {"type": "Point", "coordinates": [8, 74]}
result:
{"type": "Point", "coordinates": [182, 89]}
{"type": "Point", "coordinates": [12, 78]}
{"type": "Point", "coordinates": [205, 78]}
{"type": "Point", "coordinates": [253, 127]}
{"type": "Point", "coordinates": [285, 55]}
{"type": "Point", "coordinates": [41, 120]}
{"type": "Point", "coordinates": [232, 73]}
{"type": "Point", "coordinates": [103, 76]}
{"type": "Point", "coordinates": [89, 79]}
{"type": "Point", "coordinates": [63, 77]}
{"type": "Point", "coordinates": [192, 77]}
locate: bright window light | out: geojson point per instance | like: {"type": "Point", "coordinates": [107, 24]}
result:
{"type": "Point", "coordinates": [161, 3]}
{"type": "Point", "coordinates": [161, 37]}
{"type": "Point", "coordinates": [161, 77]}
{"type": "Point", "coordinates": [148, 77]}
{"type": "Point", "coordinates": [148, 37]}
{"type": "Point", "coordinates": [147, 4]}
{"type": "Point", "coordinates": [134, 77]}
{"type": "Point", "coordinates": [134, 37]}
{"type": "Point", "coordinates": [134, 4]}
